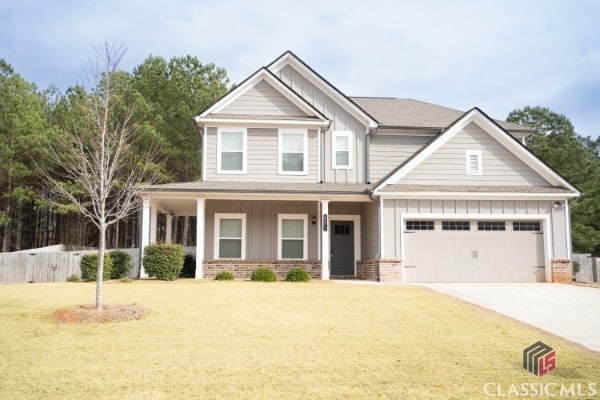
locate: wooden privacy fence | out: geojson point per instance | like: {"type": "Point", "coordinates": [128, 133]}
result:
{"type": "Point", "coordinates": [589, 268]}
{"type": "Point", "coordinates": [54, 266]}
{"type": "Point", "coordinates": [49, 266]}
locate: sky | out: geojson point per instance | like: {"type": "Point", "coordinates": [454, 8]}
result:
{"type": "Point", "coordinates": [496, 55]}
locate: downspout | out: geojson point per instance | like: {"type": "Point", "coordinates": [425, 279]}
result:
{"type": "Point", "coordinates": [368, 155]}
{"type": "Point", "coordinates": [379, 220]}
{"type": "Point", "coordinates": [321, 147]}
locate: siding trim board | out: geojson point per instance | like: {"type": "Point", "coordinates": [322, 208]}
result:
{"type": "Point", "coordinates": [544, 218]}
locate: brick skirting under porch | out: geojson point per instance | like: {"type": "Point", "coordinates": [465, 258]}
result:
{"type": "Point", "coordinates": [366, 270]}
{"type": "Point", "coordinates": [242, 269]}
{"type": "Point", "coordinates": [562, 271]}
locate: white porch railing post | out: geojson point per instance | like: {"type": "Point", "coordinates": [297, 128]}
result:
{"type": "Point", "coordinates": [169, 230]}
{"type": "Point", "coordinates": [145, 236]}
{"type": "Point", "coordinates": [200, 206]}
{"type": "Point", "coordinates": [325, 226]}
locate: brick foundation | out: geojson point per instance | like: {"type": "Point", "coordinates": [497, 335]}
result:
{"type": "Point", "coordinates": [366, 270]}
{"type": "Point", "coordinates": [562, 271]}
{"type": "Point", "coordinates": [390, 270]}
{"type": "Point", "coordinates": [242, 269]}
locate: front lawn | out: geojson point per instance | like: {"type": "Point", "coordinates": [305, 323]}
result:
{"type": "Point", "coordinates": [240, 340]}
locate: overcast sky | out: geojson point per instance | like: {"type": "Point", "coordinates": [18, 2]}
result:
{"type": "Point", "coordinates": [497, 55]}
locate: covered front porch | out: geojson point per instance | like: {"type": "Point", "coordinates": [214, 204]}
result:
{"type": "Point", "coordinates": [331, 236]}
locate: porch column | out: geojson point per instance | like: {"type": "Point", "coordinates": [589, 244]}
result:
{"type": "Point", "coordinates": [200, 203]}
{"type": "Point", "coordinates": [169, 230]}
{"type": "Point", "coordinates": [325, 224]}
{"type": "Point", "coordinates": [153, 222]}
{"type": "Point", "coordinates": [145, 237]}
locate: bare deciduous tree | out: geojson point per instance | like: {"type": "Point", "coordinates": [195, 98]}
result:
{"type": "Point", "coordinates": [96, 171]}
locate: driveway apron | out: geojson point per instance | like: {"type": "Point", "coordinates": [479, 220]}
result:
{"type": "Point", "coordinates": [569, 311]}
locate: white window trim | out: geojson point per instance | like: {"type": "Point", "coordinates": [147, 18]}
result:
{"type": "Point", "coordinates": [334, 136]}
{"type": "Point", "coordinates": [217, 235]}
{"type": "Point", "coordinates": [280, 218]}
{"type": "Point", "coordinates": [468, 155]}
{"type": "Point", "coordinates": [244, 133]}
{"type": "Point", "coordinates": [304, 171]}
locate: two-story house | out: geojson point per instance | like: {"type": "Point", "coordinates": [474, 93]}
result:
{"type": "Point", "coordinates": [296, 173]}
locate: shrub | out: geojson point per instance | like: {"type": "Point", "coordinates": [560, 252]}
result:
{"type": "Point", "coordinates": [297, 274]}
{"type": "Point", "coordinates": [73, 278]}
{"type": "Point", "coordinates": [121, 264]}
{"type": "Point", "coordinates": [263, 275]}
{"type": "Point", "coordinates": [189, 267]}
{"type": "Point", "coordinates": [89, 267]}
{"type": "Point", "coordinates": [163, 261]}
{"type": "Point", "coordinates": [576, 268]}
{"type": "Point", "coordinates": [224, 276]}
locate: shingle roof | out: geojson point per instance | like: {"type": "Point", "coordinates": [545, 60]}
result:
{"type": "Point", "coordinates": [261, 187]}
{"type": "Point", "coordinates": [394, 112]}
{"type": "Point", "coordinates": [473, 189]}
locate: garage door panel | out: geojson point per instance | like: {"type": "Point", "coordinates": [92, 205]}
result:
{"type": "Point", "coordinates": [474, 256]}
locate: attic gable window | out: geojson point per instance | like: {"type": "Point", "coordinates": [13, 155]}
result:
{"type": "Point", "coordinates": [474, 162]}
{"type": "Point", "coordinates": [293, 151]}
{"type": "Point", "coordinates": [342, 150]}
{"type": "Point", "coordinates": [231, 151]}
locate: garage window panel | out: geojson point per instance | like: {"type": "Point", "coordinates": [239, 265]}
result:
{"type": "Point", "coordinates": [456, 225]}
{"type": "Point", "coordinates": [491, 226]}
{"type": "Point", "coordinates": [419, 225]}
{"type": "Point", "coordinates": [532, 226]}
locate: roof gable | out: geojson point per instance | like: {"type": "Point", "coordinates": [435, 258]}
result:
{"type": "Point", "coordinates": [263, 99]}
{"type": "Point", "coordinates": [489, 127]}
{"type": "Point", "coordinates": [262, 87]}
{"type": "Point", "coordinates": [289, 58]}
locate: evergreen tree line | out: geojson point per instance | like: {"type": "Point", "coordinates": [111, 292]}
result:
{"type": "Point", "coordinates": [165, 96]}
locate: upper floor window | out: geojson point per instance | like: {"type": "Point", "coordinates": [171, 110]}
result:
{"type": "Point", "coordinates": [231, 151]}
{"type": "Point", "coordinates": [230, 236]}
{"type": "Point", "coordinates": [474, 163]}
{"type": "Point", "coordinates": [292, 151]}
{"type": "Point", "coordinates": [341, 157]}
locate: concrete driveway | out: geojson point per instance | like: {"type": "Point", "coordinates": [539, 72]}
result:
{"type": "Point", "coordinates": [569, 311]}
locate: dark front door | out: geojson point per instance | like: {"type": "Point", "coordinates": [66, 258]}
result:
{"type": "Point", "coordinates": [342, 248]}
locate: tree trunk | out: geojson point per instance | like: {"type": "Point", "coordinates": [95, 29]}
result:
{"type": "Point", "coordinates": [100, 269]}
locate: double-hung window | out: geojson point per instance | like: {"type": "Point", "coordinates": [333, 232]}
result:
{"type": "Point", "coordinates": [292, 238]}
{"type": "Point", "coordinates": [230, 236]}
{"type": "Point", "coordinates": [341, 157]}
{"type": "Point", "coordinates": [231, 151]}
{"type": "Point", "coordinates": [292, 151]}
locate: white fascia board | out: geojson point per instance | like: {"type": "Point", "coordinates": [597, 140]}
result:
{"type": "Point", "coordinates": [497, 133]}
{"type": "Point", "coordinates": [326, 87]}
{"type": "Point", "coordinates": [261, 122]}
{"type": "Point", "coordinates": [475, 196]}
{"type": "Point", "coordinates": [158, 195]}
{"type": "Point", "coordinates": [261, 74]}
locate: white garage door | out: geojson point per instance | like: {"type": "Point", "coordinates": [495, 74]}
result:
{"type": "Point", "coordinates": [473, 251]}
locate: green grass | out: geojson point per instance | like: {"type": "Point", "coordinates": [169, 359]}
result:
{"type": "Point", "coordinates": [207, 339]}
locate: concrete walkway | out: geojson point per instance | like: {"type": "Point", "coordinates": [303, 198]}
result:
{"type": "Point", "coordinates": [569, 311]}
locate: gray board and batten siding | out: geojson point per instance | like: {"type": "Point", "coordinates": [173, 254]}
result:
{"type": "Point", "coordinates": [341, 121]}
{"type": "Point", "coordinates": [499, 165]}
{"type": "Point", "coordinates": [262, 157]}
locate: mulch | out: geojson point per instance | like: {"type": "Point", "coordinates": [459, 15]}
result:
{"type": "Point", "coordinates": [109, 313]}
